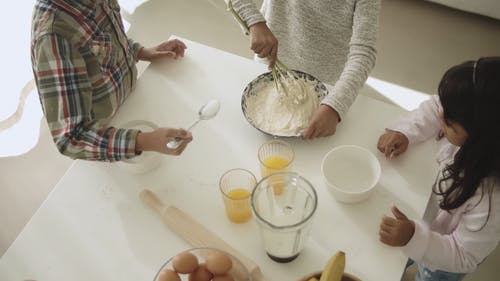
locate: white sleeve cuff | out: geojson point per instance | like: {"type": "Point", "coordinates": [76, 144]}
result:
{"type": "Point", "coordinates": [418, 244]}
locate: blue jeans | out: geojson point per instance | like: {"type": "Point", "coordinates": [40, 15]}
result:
{"type": "Point", "coordinates": [425, 274]}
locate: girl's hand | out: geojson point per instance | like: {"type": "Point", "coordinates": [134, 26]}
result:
{"type": "Point", "coordinates": [396, 231]}
{"type": "Point", "coordinates": [157, 140]}
{"type": "Point", "coordinates": [392, 144]}
{"type": "Point", "coordinates": [323, 123]}
{"type": "Point", "coordinates": [172, 48]}
{"type": "Point", "coordinates": [263, 42]}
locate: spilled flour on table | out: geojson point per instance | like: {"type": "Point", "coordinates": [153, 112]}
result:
{"type": "Point", "coordinates": [279, 113]}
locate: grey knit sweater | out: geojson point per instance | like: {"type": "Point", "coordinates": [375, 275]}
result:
{"type": "Point", "coordinates": [334, 40]}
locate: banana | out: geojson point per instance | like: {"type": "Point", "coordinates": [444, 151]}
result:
{"type": "Point", "coordinates": [334, 269]}
{"type": "Point", "coordinates": [313, 279]}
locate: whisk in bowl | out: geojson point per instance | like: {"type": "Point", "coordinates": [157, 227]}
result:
{"type": "Point", "coordinates": [289, 83]}
{"type": "Point", "coordinates": [285, 80]}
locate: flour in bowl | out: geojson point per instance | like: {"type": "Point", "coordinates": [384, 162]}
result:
{"type": "Point", "coordinates": [280, 113]}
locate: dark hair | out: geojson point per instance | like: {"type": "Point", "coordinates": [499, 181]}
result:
{"type": "Point", "coordinates": [470, 96]}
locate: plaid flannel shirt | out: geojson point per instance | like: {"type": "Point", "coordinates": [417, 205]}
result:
{"type": "Point", "coordinates": [84, 68]}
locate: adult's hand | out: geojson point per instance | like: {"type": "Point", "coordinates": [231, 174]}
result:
{"type": "Point", "coordinates": [323, 123]}
{"type": "Point", "coordinates": [263, 42]}
{"type": "Point", "coordinates": [157, 140]}
{"type": "Point", "coordinates": [172, 48]}
{"type": "Point", "coordinates": [392, 143]}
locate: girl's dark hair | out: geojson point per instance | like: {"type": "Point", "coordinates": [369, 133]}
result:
{"type": "Point", "coordinates": [470, 96]}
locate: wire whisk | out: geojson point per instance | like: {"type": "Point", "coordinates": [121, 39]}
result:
{"type": "Point", "coordinates": [287, 82]}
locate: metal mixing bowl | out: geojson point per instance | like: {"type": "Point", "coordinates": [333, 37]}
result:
{"type": "Point", "coordinates": [255, 86]}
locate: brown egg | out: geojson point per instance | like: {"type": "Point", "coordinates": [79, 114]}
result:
{"type": "Point", "coordinates": [185, 262]}
{"type": "Point", "coordinates": [225, 277]}
{"type": "Point", "coordinates": [168, 275]}
{"type": "Point", "coordinates": [201, 274]}
{"type": "Point", "coordinates": [218, 263]}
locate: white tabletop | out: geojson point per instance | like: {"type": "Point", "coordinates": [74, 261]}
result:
{"type": "Point", "coordinates": [94, 227]}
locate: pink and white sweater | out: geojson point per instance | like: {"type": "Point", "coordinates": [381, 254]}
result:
{"type": "Point", "coordinates": [457, 240]}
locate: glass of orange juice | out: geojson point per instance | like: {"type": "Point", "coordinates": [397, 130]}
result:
{"type": "Point", "coordinates": [275, 156]}
{"type": "Point", "coordinates": [236, 186]}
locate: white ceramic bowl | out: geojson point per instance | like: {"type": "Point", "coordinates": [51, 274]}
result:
{"type": "Point", "coordinates": [148, 160]}
{"type": "Point", "coordinates": [351, 172]}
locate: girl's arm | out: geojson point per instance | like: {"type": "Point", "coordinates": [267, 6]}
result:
{"type": "Point", "coordinates": [469, 235]}
{"type": "Point", "coordinates": [422, 123]}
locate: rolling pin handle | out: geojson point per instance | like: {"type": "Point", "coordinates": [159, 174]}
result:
{"type": "Point", "coordinates": [148, 197]}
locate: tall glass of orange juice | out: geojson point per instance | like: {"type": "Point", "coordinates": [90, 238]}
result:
{"type": "Point", "coordinates": [275, 156]}
{"type": "Point", "coordinates": [236, 186]}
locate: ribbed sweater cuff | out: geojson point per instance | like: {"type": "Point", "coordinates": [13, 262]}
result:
{"type": "Point", "coordinates": [334, 103]}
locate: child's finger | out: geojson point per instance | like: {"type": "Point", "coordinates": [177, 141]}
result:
{"type": "Point", "coordinates": [393, 155]}
{"type": "Point", "coordinates": [382, 143]}
{"type": "Point", "coordinates": [398, 214]}
{"type": "Point", "coordinates": [181, 148]}
{"type": "Point", "coordinates": [181, 51]}
{"type": "Point", "coordinates": [385, 238]}
{"type": "Point", "coordinates": [182, 132]}
{"type": "Point", "coordinates": [388, 221]}
{"type": "Point", "coordinates": [389, 146]}
{"type": "Point", "coordinates": [401, 147]}
{"type": "Point", "coordinates": [389, 150]}
{"type": "Point", "coordinates": [395, 151]}
{"type": "Point", "coordinates": [385, 228]}
{"type": "Point", "coordinates": [180, 43]}
{"type": "Point", "coordinates": [166, 53]}
{"type": "Point", "coordinates": [383, 234]}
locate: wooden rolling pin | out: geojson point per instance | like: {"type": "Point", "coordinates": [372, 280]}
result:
{"type": "Point", "coordinates": [196, 234]}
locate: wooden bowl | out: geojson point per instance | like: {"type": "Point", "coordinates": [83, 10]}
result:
{"type": "Point", "coordinates": [317, 274]}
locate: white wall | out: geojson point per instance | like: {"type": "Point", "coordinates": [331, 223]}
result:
{"type": "Point", "coordinates": [490, 8]}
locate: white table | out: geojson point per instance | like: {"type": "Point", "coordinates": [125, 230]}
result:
{"type": "Point", "coordinates": [94, 227]}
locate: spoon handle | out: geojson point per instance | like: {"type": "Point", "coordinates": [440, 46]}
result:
{"type": "Point", "coordinates": [193, 124]}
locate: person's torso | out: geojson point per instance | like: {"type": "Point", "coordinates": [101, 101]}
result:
{"type": "Point", "coordinates": [314, 35]}
{"type": "Point", "coordinates": [95, 29]}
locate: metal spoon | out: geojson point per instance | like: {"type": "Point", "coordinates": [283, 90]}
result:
{"type": "Point", "coordinates": [206, 112]}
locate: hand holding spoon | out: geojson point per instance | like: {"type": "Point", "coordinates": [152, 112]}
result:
{"type": "Point", "coordinates": [206, 112]}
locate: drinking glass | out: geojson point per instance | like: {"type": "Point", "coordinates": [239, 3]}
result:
{"type": "Point", "coordinates": [275, 156]}
{"type": "Point", "coordinates": [236, 186]}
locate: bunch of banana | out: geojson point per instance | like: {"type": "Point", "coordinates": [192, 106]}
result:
{"type": "Point", "coordinates": [334, 269]}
